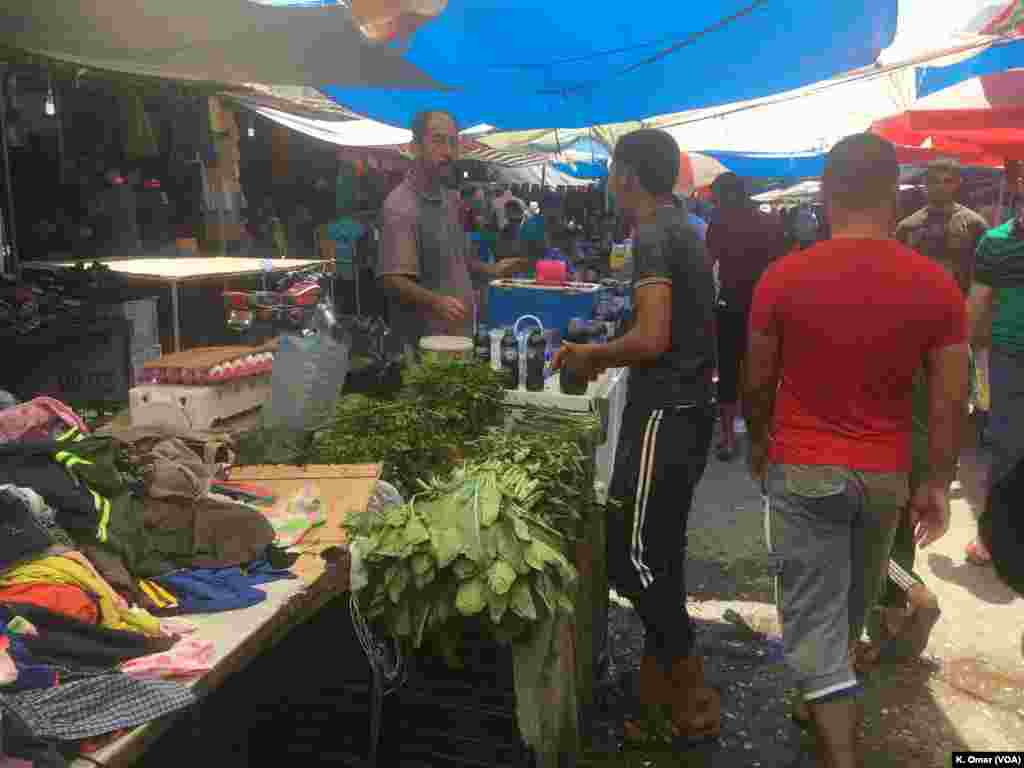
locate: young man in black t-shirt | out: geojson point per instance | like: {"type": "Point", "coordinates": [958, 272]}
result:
{"type": "Point", "coordinates": [666, 430]}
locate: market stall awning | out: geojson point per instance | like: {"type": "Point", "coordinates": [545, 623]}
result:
{"type": "Point", "coordinates": [982, 116]}
{"type": "Point", "coordinates": [770, 165]}
{"type": "Point", "coordinates": [804, 191]}
{"type": "Point", "coordinates": [537, 174]}
{"type": "Point", "coordinates": [531, 63]}
{"type": "Point", "coordinates": [992, 102]}
{"type": "Point", "coordinates": [221, 41]}
{"type": "Point", "coordinates": [998, 57]}
{"type": "Point", "coordinates": [369, 134]}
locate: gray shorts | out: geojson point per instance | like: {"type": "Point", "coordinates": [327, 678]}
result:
{"type": "Point", "coordinates": [829, 530]}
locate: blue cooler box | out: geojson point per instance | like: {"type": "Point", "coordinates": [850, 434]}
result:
{"type": "Point", "coordinates": [555, 305]}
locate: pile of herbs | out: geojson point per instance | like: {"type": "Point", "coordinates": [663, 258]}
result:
{"type": "Point", "coordinates": [421, 431]}
{"type": "Point", "coordinates": [487, 542]}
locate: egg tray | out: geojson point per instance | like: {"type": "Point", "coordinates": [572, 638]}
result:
{"type": "Point", "coordinates": [210, 365]}
{"type": "Point", "coordinates": [196, 407]}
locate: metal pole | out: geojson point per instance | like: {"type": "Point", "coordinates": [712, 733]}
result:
{"type": "Point", "coordinates": [9, 249]}
{"type": "Point", "coordinates": [175, 315]}
{"type": "Point", "coordinates": [58, 105]}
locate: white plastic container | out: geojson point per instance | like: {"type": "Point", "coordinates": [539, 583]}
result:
{"type": "Point", "coordinates": [446, 348]}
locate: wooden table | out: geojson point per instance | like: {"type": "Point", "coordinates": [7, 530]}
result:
{"type": "Point", "coordinates": [240, 636]}
{"type": "Point", "coordinates": [176, 270]}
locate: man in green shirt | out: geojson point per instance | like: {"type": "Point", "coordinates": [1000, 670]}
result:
{"type": "Point", "coordinates": [947, 233]}
{"type": "Point", "coordinates": [997, 302]}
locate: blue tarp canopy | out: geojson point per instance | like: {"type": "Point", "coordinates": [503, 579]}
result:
{"type": "Point", "coordinates": [997, 58]}
{"type": "Point", "coordinates": [522, 64]}
{"type": "Point", "coordinates": [763, 165]}
{"type": "Point", "coordinates": [598, 170]}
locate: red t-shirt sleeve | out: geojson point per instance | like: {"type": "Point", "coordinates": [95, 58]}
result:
{"type": "Point", "coordinates": [764, 307]}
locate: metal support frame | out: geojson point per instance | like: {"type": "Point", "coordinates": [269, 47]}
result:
{"type": "Point", "coordinates": [8, 244]}
{"type": "Point", "coordinates": [176, 317]}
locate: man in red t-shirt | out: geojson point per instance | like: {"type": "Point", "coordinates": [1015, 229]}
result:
{"type": "Point", "coordinates": [837, 334]}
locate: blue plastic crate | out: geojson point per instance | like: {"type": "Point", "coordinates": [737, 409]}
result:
{"type": "Point", "coordinates": [556, 306]}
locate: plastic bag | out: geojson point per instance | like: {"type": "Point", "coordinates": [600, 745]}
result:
{"type": "Point", "coordinates": [309, 373]}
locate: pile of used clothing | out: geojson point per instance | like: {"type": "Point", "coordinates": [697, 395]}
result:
{"type": "Point", "coordinates": [104, 540]}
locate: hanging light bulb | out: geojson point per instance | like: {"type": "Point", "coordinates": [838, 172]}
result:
{"type": "Point", "coordinates": [50, 107]}
{"type": "Point", "coordinates": [252, 129]}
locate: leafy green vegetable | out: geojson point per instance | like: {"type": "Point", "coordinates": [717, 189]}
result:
{"type": "Point", "coordinates": [470, 600]}
{"type": "Point", "coordinates": [501, 577]}
{"type": "Point", "coordinates": [522, 602]}
{"type": "Point", "coordinates": [487, 538]}
{"type": "Point", "coordinates": [422, 431]}
{"type": "Point", "coordinates": [422, 563]}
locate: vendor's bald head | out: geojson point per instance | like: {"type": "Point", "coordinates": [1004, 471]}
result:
{"type": "Point", "coordinates": [436, 136]}
{"type": "Point", "coordinates": [861, 183]}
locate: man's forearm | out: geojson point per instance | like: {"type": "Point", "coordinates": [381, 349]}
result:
{"type": "Point", "coordinates": [758, 406]}
{"type": "Point", "coordinates": [947, 411]}
{"type": "Point", "coordinates": [946, 423]}
{"type": "Point", "coordinates": [632, 349]}
{"type": "Point", "coordinates": [478, 267]}
{"type": "Point", "coordinates": [408, 291]}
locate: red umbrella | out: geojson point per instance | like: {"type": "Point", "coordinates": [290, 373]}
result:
{"type": "Point", "coordinates": [1009, 21]}
{"type": "Point", "coordinates": [697, 171]}
{"type": "Point", "coordinates": [977, 120]}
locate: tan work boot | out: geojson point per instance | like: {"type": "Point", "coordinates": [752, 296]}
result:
{"type": "Point", "coordinates": [696, 707]}
{"type": "Point", "coordinates": [655, 697]}
{"type": "Point", "coordinates": [906, 632]}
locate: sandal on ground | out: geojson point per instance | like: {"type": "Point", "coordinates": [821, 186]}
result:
{"type": "Point", "coordinates": [910, 639]}
{"type": "Point", "coordinates": [975, 554]}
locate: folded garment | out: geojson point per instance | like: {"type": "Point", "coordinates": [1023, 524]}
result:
{"type": "Point", "coordinates": [212, 590]}
{"type": "Point", "coordinates": [29, 673]}
{"type": "Point", "coordinates": [44, 515]}
{"type": "Point", "coordinates": [86, 708]}
{"type": "Point", "coordinates": [74, 645]}
{"type": "Point", "coordinates": [177, 627]}
{"type": "Point", "coordinates": [215, 448]}
{"type": "Point", "coordinates": [158, 597]}
{"type": "Point", "coordinates": [176, 471]}
{"type": "Point", "coordinates": [37, 420]}
{"type": "Point", "coordinates": [188, 657]}
{"type": "Point", "coordinates": [31, 465]}
{"type": "Point", "coordinates": [214, 532]}
{"type": "Point", "coordinates": [21, 533]}
{"type": "Point", "coordinates": [64, 599]}
{"type": "Point", "coordinates": [114, 613]}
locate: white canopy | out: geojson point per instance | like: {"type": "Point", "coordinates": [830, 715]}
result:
{"type": "Point", "coordinates": [222, 41]}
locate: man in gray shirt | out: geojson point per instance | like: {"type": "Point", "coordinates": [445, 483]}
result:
{"type": "Point", "coordinates": [665, 435]}
{"type": "Point", "coordinates": [425, 259]}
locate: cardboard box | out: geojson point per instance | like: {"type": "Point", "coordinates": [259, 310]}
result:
{"type": "Point", "coordinates": [343, 489]}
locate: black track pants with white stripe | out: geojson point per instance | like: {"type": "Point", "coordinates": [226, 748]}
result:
{"type": "Point", "coordinates": [660, 458]}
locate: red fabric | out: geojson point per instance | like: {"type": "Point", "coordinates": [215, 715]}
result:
{"type": "Point", "coordinates": [64, 599]}
{"type": "Point", "coordinates": [855, 319]}
{"type": "Point", "coordinates": [1008, 22]}
{"type": "Point", "coordinates": [982, 115]}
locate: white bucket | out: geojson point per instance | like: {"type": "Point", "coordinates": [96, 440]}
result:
{"type": "Point", "coordinates": [446, 348]}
